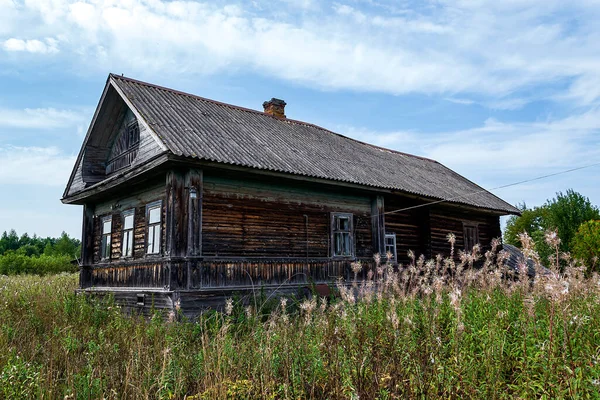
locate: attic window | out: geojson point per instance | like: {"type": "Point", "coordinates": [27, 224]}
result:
{"type": "Point", "coordinates": [125, 148]}
{"type": "Point", "coordinates": [133, 134]}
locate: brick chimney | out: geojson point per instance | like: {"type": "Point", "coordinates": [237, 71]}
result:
{"type": "Point", "coordinates": [275, 107]}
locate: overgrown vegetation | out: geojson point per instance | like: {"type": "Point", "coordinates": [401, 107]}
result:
{"type": "Point", "coordinates": [436, 328]}
{"type": "Point", "coordinates": [563, 214]}
{"type": "Point", "coordinates": [35, 255]}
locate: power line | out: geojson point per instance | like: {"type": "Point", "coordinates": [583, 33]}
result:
{"type": "Point", "coordinates": [489, 190]}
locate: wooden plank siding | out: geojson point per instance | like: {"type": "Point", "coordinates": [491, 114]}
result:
{"type": "Point", "coordinates": [251, 219]}
{"type": "Point", "coordinates": [448, 220]}
{"type": "Point", "coordinates": [410, 226]}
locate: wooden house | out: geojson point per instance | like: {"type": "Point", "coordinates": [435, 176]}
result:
{"type": "Point", "coordinates": [187, 200]}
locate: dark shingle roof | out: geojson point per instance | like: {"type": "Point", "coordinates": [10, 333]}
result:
{"type": "Point", "coordinates": [196, 127]}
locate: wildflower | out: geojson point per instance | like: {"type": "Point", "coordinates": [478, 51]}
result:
{"type": "Point", "coordinates": [552, 238]}
{"type": "Point", "coordinates": [323, 303]}
{"type": "Point", "coordinates": [178, 305]}
{"type": "Point", "coordinates": [377, 258]}
{"type": "Point", "coordinates": [356, 267]}
{"type": "Point", "coordinates": [451, 238]}
{"type": "Point", "coordinates": [229, 306]}
{"type": "Point", "coordinates": [249, 312]}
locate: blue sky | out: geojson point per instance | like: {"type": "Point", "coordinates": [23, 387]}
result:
{"type": "Point", "coordinates": [498, 91]}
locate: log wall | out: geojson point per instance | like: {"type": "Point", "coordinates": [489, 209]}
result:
{"type": "Point", "coordinates": [252, 219]}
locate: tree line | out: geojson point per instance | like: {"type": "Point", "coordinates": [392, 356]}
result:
{"type": "Point", "coordinates": [37, 255]}
{"type": "Point", "coordinates": [572, 216]}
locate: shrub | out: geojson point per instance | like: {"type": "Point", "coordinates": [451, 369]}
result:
{"type": "Point", "coordinates": [586, 245]}
{"type": "Point", "coordinates": [13, 263]}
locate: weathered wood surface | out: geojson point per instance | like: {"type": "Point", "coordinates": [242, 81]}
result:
{"type": "Point", "coordinates": [256, 219]}
{"type": "Point", "coordinates": [104, 145]}
{"type": "Point", "coordinates": [410, 226]}
{"type": "Point", "coordinates": [144, 273]}
{"type": "Point", "coordinates": [448, 220]}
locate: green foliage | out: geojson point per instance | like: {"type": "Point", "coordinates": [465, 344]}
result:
{"type": "Point", "coordinates": [35, 255]}
{"type": "Point", "coordinates": [586, 245]}
{"type": "Point", "coordinates": [565, 214]}
{"type": "Point", "coordinates": [13, 263]}
{"type": "Point", "coordinates": [485, 342]}
{"type": "Point", "coordinates": [34, 246]}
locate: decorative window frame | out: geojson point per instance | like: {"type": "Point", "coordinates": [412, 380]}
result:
{"type": "Point", "coordinates": [335, 230]}
{"type": "Point", "coordinates": [391, 236]}
{"type": "Point", "coordinates": [128, 233]}
{"type": "Point", "coordinates": [105, 238]}
{"type": "Point", "coordinates": [467, 226]}
{"type": "Point", "coordinates": [149, 207]}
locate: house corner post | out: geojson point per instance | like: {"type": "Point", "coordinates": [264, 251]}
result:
{"type": "Point", "coordinates": [87, 247]}
{"type": "Point", "coordinates": [176, 229]}
{"type": "Point", "coordinates": [378, 224]}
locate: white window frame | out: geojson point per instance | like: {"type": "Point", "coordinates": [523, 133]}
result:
{"type": "Point", "coordinates": [127, 234]}
{"type": "Point", "coordinates": [153, 229]}
{"type": "Point", "coordinates": [106, 238]}
{"type": "Point", "coordinates": [391, 236]}
{"type": "Point", "coordinates": [337, 231]}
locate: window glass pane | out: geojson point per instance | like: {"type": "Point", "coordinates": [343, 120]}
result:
{"type": "Point", "coordinates": [150, 239]}
{"type": "Point", "coordinates": [156, 239]}
{"type": "Point", "coordinates": [344, 224]}
{"type": "Point", "coordinates": [154, 215]}
{"type": "Point", "coordinates": [127, 243]}
{"type": "Point", "coordinates": [128, 223]}
{"type": "Point", "coordinates": [106, 226]}
{"type": "Point", "coordinates": [346, 244]}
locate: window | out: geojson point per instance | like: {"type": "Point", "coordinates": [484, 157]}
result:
{"type": "Point", "coordinates": [471, 235]}
{"type": "Point", "coordinates": [127, 240]}
{"type": "Point", "coordinates": [133, 134]}
{"type": "Point", "coordinates": [341, 233]}
{"type": "Point", "coordinates": [390, 245]}
{"type": "Point", "coordinates": [106, 231]}
{"type": "Point", "coordinates": [153, 216]}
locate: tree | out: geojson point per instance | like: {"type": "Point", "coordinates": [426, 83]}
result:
{"type": "Point", "coordinates": [586, 245]}
{"type": "Point", "coordinates": [565, 214]}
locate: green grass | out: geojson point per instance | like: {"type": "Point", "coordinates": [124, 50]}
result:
{"type": "Point", "coordinates": [480, 341]}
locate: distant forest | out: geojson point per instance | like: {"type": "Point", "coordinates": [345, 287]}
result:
{"type": "Point", "coordinates": [37, 255]}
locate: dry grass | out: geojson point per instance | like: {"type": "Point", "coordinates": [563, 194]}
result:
{"type": "Point", "coordinates": [435, 328]}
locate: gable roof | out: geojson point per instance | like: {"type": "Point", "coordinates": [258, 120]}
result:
{"type": "Point", "coordinates": [199, 128]}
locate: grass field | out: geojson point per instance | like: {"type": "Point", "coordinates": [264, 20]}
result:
{"type": "Point", "coordinates": [413, 334]}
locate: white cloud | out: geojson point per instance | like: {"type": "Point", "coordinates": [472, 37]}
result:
{"type": "Point", "coordinates": [465, 47]}
{"type": "Point", "coordinates": [40, 118]}
{"type": "Point", "coordinates": [47, 46]}
{"type": "Point", "coordinates": [46, 166]}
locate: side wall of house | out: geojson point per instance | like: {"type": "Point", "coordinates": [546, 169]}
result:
{"type": "Point", "coordinates": [445, 220]}
{"type": "Point", "coordinates": [244, 218]}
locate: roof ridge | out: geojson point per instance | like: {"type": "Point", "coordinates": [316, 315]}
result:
{"type": "Point", "coordinates": [250, 110]}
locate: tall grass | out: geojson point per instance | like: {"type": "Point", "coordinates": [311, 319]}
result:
{"type": "Point", "coordinates": [437, 328]}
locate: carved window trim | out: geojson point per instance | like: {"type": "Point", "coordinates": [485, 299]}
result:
{"type": "Point", "coordinates": [470, 235]}
{"type": "Point", "coordinates": [105, 237]}
{"type": "Point", "coordinates": [153, 243]}
{"type": "Point", "coordinates": [342, 235]}
{"type": "Point", "coordinates": [389, 243]}
{"type": "Point", "coordinates": [131, 137]}
{"type": "Point", "coordinates": [128, 233]}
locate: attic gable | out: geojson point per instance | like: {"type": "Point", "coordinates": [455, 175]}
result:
{"type": "Point", "coordinates": [118, 138]}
